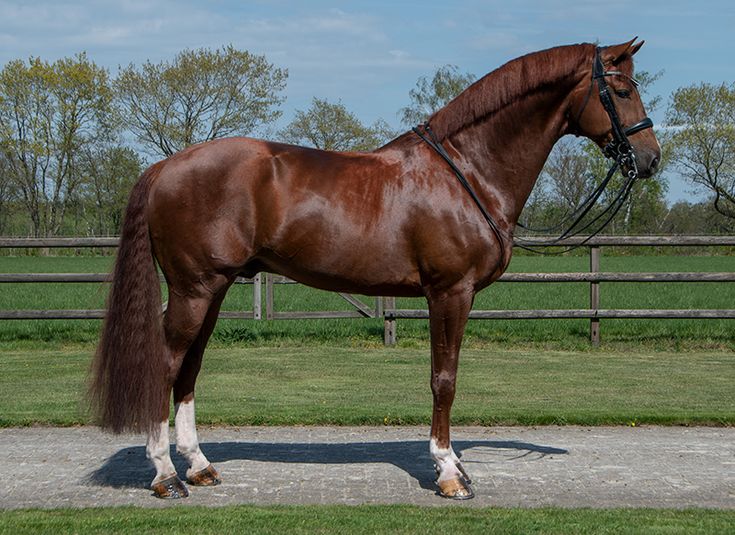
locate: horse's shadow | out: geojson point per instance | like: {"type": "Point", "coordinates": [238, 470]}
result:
{"type": "Point", "coordinates": [129, 467]}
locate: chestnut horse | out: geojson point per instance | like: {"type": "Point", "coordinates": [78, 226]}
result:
{"type": "Point", "coordinates": [395, 221]}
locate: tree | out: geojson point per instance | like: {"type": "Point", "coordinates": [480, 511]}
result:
{"type": "Point", "coordinates": [645, 83]}
{"type": "Point", "coordinates": [696, 218]}
{"type": "Point", "coordinates": [112, 170]}
{"type": "Point", "coordinates": [703, 118]}
{"type": "Point", "coordinates": [7, 192]}
{"type": "Point", "coordinates": [331, 126]}
{"type": "Point", "coordinates": [48, 113]}
{"type": "Point", "coordinates": [569, 174]}
{"type": "Point", "coordinates": [564, 182]}
{"type": "Point", "coordinates": [199, 96]}
{"type": "Point", "coordinates": [430, 95]}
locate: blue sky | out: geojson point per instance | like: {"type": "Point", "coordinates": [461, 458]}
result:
{"type": "Point", "coordinates": [369, 54]}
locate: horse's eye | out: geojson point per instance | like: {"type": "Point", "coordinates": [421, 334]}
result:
{"type": "Point", "coordinates": [622, 93]}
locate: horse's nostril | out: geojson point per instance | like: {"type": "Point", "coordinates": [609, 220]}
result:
{"type": "Point", "coordinates": [654, 164]}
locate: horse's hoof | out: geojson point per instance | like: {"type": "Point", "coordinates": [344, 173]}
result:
{"type": "Point", "coordinates": [172, 488]}
{"type": "Point", "coordinates": [209, 477]}
{"type": "Point", "coordinates": [466, 476]}
{"type": "Point", "coordinates": [456, 489]}
{"type": "Point", "coordinates": [461, 469]}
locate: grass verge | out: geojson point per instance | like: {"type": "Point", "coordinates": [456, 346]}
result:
{"type": "Point", "coordinates": [384, 386]}
{"type": "Point", "coordinates": [365, 519]}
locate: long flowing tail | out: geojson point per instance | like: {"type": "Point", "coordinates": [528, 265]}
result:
{"type": "Point", "coordinates": [128, 388]}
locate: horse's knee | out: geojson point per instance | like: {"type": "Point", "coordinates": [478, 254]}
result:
{"type": "Point", "coordinates": [443, 386]}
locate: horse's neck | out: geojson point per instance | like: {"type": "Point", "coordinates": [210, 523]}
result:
{"type": "Point", "coordinates": [507, 150]}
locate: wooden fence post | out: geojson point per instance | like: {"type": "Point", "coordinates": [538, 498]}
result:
{"type": "Point", "coordinates": [269, 296]}
{"type": "Point", "coordinates": [257, 297]}
{"type": "Point", "coordinates": [389, 325]}
{"type": "Point", "coordinates": [594, 296]}
{"type": "Point", "coordinates": [379, 307]}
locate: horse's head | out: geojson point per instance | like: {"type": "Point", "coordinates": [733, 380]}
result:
{"type": "Point", "coordinates": [607, 108]}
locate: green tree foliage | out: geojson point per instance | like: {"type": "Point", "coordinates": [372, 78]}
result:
{"type": "Point", "coordinates": [331, 126]}
{"type": "Point", "coordinates": [49, 112]}
{"type": "Point", "coordinates": [111, 172]}
{"type": "Point", "coordinates": [696, 218]}
{"type": "Point", "coordinates": [703, 118]}
{"type": "Point", "coordinates": [646, 80]}
{"type": "Point", "coordinates": [7, 193]}
{"type": "Point", "coordinates": [429, 95]}
{"type": "Point", "coordinates": [201, 95]}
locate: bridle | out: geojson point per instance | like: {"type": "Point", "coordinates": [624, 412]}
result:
{"type": "Point", "coordinates": [619, 149]}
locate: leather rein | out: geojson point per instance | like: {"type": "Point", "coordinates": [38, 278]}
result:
{"type": "Point", "coordinates": [619, 149]}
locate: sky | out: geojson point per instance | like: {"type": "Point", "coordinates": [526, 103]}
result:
{"type": "Point", "coordinates": [369, 54]}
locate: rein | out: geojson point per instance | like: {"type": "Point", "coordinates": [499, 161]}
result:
{"type": "Point", "coordinates": [433, 142]}
{"type": "Point", "coordinates": [619, 149]}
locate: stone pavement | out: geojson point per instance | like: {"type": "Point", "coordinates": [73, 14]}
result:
{"type": "Point", "coordinates": [511, 466]}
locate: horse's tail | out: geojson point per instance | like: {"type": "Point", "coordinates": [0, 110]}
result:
{"type": "Point", "coordinates": [128, 389]}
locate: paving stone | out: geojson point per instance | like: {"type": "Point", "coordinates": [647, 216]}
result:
{"type": "Point", "coordinates": [599, 467]}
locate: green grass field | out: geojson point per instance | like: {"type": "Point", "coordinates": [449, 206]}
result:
{"type": "Point", "coordinates": [559, 334]}
{"type": "Point", "coordinates": [389, 386]}
{"type": "Point", "coordinates": [366, 519]}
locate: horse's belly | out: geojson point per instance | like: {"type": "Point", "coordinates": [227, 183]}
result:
{"type": "Point", "coordinates": [360, 264]}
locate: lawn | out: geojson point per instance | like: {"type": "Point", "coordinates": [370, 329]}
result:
{"type": "Point", "coordinates": [389, 386]}
{"type": "Point", "coordinates": [404, 519]}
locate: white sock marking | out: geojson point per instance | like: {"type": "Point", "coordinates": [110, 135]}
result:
{"type": "Point", "coordinates": [445, 459]}
{"type": "Point", "coordinates": [157, 450]}
{"type": "Point", "coordinates": [187, 442]}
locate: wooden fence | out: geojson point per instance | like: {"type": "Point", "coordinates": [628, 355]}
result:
{"type": "Point", "coordinates": [386, 306]}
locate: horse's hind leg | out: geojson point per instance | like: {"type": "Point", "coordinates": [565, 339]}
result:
{"type": "Point", "coordinates": [183, 321]}
{"type": "Point", "coordinates": [200, 471]}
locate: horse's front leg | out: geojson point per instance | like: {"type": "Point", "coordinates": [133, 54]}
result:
{"type": "Point", "coordinates": [448, 312]}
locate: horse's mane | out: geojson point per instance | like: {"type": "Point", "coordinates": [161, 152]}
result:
{"type": "Point", "coordinates": [508, 84]}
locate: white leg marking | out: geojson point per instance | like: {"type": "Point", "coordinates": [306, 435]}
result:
{"type": "Point", "coordinates": [446, 461]}
{"type": "Point", "coordinates": [187, 442]}
{"type": "Point", "coordinates": [157, 450]}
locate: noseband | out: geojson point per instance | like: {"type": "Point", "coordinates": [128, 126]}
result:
{"type": "Point", "coordinates": [619, 149]}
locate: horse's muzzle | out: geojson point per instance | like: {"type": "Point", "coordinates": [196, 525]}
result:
{"type": "Point", "coordinates": [647, 162]}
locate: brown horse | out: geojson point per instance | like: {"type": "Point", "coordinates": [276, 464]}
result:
{"type": "Point", "coordinates": [394, 221]}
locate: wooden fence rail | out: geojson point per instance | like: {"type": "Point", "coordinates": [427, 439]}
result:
{"type": "Point", "coordinates": [386, 307]}
{"type": "Point", "coordinates": [670, 276]}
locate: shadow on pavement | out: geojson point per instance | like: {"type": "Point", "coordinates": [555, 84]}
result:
{"type": "Point", "coordinates": [130, 468]}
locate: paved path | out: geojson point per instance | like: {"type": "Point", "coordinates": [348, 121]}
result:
{"type": "Point", "coordinates": [511, 466]}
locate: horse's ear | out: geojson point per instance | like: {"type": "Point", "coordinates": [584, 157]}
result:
{"type": "Point", "coordinates": [636, 47]}
{"type": "Point", "coordinates": [616, 53]}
